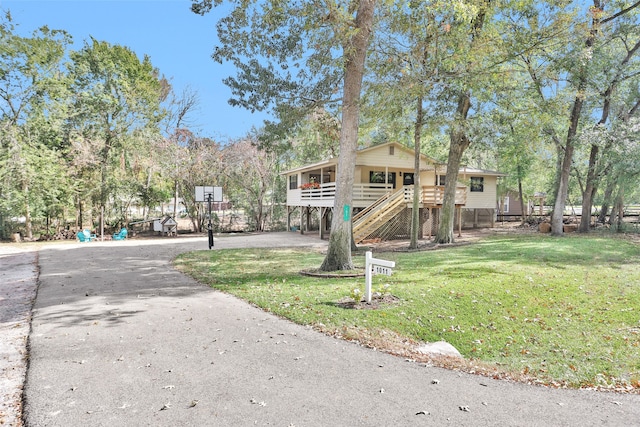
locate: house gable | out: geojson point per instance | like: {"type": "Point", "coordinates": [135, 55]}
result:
{"type": "Point", "coordinates": [391, 155]}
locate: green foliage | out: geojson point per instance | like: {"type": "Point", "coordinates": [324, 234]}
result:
{"type": "Point", "coordinates": [287, 57]}
{"type": "Point", "coordinates": [552, 309]}
{"type": "Point", "coordinates": [32, 113]}
{"type": "Point", "coordinates": [116, 106]}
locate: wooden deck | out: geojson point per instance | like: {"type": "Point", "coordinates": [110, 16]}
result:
{"type": "Point", "coordinates": [366, 194]}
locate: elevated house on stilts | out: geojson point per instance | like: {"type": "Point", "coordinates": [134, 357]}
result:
{"type": "Point", "coordinates": [383, 195]}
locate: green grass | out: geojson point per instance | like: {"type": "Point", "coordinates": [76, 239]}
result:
{"type": "Point", "coordinates": [561, 310]}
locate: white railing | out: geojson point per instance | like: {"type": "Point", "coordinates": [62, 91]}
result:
{"type": "Point", "coordinates": [370, 191]}
{"type": "Point", "coordinates": [324, 191]}
{"type": "Point", "coordinates": [360, 191]}
{"type": "Point", "coordinates": [432, 195]}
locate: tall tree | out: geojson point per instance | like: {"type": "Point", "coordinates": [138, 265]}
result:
{"type": "Point", "coordinates": [407, 55]}
{"type": "Point", "coordinates": [250, 172]}
{"type": "Point", "coordinates": [116, 94]}
{"type": "Point", "coordinates": [581, 73]}
{"type": "Point", "coordinates": [32, 109]}
{"type": "Point", "coordinates": [625, 71]}
{"type": "Point", "coordinates": [292, 57]}
{"type": "Point", "coordinates": [458, 133]}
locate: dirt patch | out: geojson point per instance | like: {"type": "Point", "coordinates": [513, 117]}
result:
{"type": "Point", "coordinates": [377, 301]}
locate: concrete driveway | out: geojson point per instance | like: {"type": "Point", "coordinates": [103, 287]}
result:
{"type": "Point", "coordinates": [119, 338]}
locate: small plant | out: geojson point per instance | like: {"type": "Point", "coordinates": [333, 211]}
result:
{"type": "Point", "coordinates": [356, 295]}
{"type": "Point", "coordinates": [383, 289]}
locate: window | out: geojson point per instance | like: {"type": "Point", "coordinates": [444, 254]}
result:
{"type": "Point", "coordinates": [293, 182]}
{"type": "Point", "coordinates": [376, 177]}
{"type": "Point", "coordinates": [441, 180]}
{"type": "Point", "coordinates": [407, 179]}
{"type": "Point", "coordinates": [477, 183]}
{"type": "Point", "coordinates": [315, 177]}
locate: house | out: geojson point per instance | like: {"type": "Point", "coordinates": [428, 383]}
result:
{"type": "Point", "coordinates": [510, 207]}
{"type": "Point", "coordinates": [383, 194]}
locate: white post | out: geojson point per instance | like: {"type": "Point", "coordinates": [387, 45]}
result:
{"type": "Point", "coordinates": [367, 276]}
{"type": "Point", "coordinates": [377, 266]}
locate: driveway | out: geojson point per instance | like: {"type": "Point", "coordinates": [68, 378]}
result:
{"type": "Point", "coordinates": [119, 338]}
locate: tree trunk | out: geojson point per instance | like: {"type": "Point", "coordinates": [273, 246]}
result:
{"type": "Point", "coordinates": [459, 143]}
{"type": "Point", "coordinates": [563, 185]}
{"type": "Point", "coordinates": [28, 222]}
{"type": "Point", "coordinates": [604, 210]}
{"type": "Point", "coordinates": [567, 159]}
{"type": "Point", "coordinates": [339, 251]}
{"type": "Point", "coordinates": [417, 190]}
{"type": "Point", "coordinates": [522, 209]}
{"type": "Point", "coordinates": [147, 208]}
{"type": "Point", "coordinates": [589, 191]}
{"type": "Point", "coordinates": [619, 208]}
{"type": "Point", "coordinates": [175, 200]}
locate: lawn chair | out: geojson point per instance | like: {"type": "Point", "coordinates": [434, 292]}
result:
{"type": "Point", "coordinates": [85, 236]}
{"type": "Point", "coordinates": [121, 235]}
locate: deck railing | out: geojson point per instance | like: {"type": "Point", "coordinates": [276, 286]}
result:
{"type": "Point", "coordinates": [432, 195]}
{"type": "Point", "coordinates": [360, 191]}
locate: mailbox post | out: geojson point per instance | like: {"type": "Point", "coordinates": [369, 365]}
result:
{"type": "Point", "coordinates": [374, 266]}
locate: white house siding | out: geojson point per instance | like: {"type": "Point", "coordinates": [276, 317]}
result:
{"type": "Point", "coordinates": [380, 158]}
{"type": "Point", "coordinates": [485, 199]}
{"type": "Point", "coordinates": [357, 177]}
{"type": "Point", "coordinates": [428, 178]}
{"type": "Point", "coordinates": [294, 197]}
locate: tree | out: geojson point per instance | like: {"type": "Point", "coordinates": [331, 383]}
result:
{"type": "Point", "coordinates": [266, 40]}
{"type": "Point", "coordinates": [250, 172]}
{"type": "Point", "coordinates": [625, 72]}
{"type": "Point", "coordinates": [581, 73]}
{"type": "Point", "coordinates": [201, 164]}
{"type": "Point", "coordinates": [459, 140]}
{"type": "Point", "coordinates": [116, 94]}
{"type": "Point", "coordinates": [177, 135]}
{"type": "Point", "coordinates": [32, 109]}
{"type": "Point", "coordinates": [405, 60]}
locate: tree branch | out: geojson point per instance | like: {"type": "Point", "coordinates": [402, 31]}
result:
{"type": "Point", "coordinates": [622, 12]}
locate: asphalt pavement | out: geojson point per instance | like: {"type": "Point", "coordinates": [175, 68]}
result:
{"type": "Point", "coordinates": [120, 338]}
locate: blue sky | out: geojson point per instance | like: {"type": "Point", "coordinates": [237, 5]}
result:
{"type": "Point", "coordinates": [178, 42]}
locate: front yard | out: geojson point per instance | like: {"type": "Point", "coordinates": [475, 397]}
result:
{"type": "Point", "coordinates": [562, 312]}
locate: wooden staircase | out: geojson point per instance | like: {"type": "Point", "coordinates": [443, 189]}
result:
{"type": "Point", "coordinates": [377, 214]}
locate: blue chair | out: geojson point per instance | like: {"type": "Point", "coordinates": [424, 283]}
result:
{"type": "Point", "coordinates": [85, 236]}
{"type": "Point", "coordinates": [121, 235]}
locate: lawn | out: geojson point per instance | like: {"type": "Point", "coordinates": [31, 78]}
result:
{"type": "Point", "coordinates": [558, 311]}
